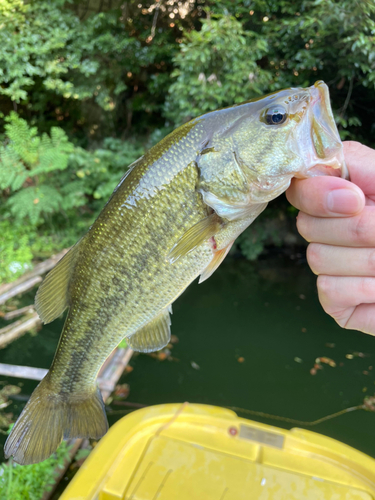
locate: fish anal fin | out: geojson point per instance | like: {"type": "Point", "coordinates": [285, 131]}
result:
{"type": "Point", "coordinates": [52, 297]}
{"type": "Point", "coordinates": [153, 336]}
{"type": "Point", "coordinates": [195, 236]}
{"type": "Point", "coordinates": [217, 259]}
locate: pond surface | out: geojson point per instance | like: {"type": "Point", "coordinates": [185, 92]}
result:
{"type": "Point", "coordinates": [248, 338]}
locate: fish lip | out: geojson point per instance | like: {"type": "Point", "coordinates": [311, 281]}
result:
{"type": "Point", "coordinates": [320, 115]}
{"type": "Point", "coordinates": [315, 92]}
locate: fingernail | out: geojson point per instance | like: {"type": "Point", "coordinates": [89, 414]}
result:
{"type": "Point", "coordinates": [344, 201]}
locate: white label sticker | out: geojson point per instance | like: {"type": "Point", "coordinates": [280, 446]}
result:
{"type": "Point", "coordinates": [263, 437]}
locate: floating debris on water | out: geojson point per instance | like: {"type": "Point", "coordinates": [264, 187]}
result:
{"type": "Point", "coordinates": [122, 390]}
{"type": "Point", "coordinates": [331, 345]}
{"type": "Point", "coordinates": [322, 360]}
{"type": "Point", "coordinates": [195, 366]}
{"type": "Point", "coordinates": [369, 403]}
{"type": "Point", "coordinates": [326, 361]}
{"type": "Point", "coordinates": [241, 359]}
{"type": "Point", "coordinates": [298, 360]}
{"type": "Point", "coordinates": [356, 354]}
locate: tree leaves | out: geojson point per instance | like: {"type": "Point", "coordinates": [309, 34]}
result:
{"type": "Point", "coordinates": [215, 67]}
{"type": "Point", "coordinates": [32, 201]}
{"type": "Point", "coordinates": [31, 168]}
{"type": "Point", "coordinates": [26, 155]}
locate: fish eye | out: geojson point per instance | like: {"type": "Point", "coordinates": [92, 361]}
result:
{"type": "Point", "coordinates": [276, 115]}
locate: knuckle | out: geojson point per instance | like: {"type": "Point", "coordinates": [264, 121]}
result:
{"type": "Point", "coordinates": [326, 292]}
{"type": "Point", "coordinates": [313, 255]}
{"type": "Point", "coordinates": [360, 229]}
{"type": "Point", "coordinates": [352, 146]}
{"type": "Point", "coordinates": [367, 287]}
{"type": "Point", "coordinates": [302, 225]}
{"type": "Point", "coordinates": [325, 285]}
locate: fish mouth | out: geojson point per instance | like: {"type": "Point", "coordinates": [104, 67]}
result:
{"type": "Point", "coordinates": [324, 154]}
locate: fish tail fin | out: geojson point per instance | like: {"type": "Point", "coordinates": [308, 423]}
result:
{"type": "Point", "coordinates": [50, 417]}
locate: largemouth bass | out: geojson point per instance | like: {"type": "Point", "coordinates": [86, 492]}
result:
{"type": "Point", "coordinates": [173, 217]}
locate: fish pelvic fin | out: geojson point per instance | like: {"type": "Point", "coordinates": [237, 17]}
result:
{"type": "Point", "coordinates": [50, 417]}
{"type": "Point", "coordinates": [153, 336]}
{"type": "Point", "coordinates": [195, 236]}
{"type": "Point", "coordinates": [217, 259]}
{"type": "Point", "coordinates": [52, 297]}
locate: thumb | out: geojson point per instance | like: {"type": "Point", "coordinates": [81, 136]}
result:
{"type": "Point", "coordinates": [323, 196]}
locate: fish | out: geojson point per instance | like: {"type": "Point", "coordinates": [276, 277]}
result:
{"type": "Point", "coordinates": [172, 218]}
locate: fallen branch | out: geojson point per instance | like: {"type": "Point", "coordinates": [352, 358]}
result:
{"type": "Point", "coordinates": [109, 374]}
{"type": "Point", "coordinates": [17, 329]}
{"type": "Point", "coordinates": [21, 288]}
{"type": "Point", "coordinates": [17, 371]}
{"type": "Point", "coordinates": [14, 314]}
{"type": "Point", "coordinates": [112, 371]}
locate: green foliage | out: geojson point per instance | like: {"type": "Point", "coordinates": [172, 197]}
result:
{"type": "Point", "coordinates": [27, 161]}
{"type": "Point", "coordinates": [29, 482]}
{"type": "Point", "coordinates": [25, 155]}
{"type": "Point", "coordinates": [203, 82]}
{"type": "Point", "coordinates": [33, 38]}
{"type": "Point", "coordinates": [15, 251]}
{"type": "Point", "coordinates": [123, 344]}
{"type": "Point", "coordinates": [45, 181]}
{"type": "Point", "coordinates": [57, 55]}
{"type": "Point", "coordinates": [103, 168]}
{"type": "Point", "coordinates": [263, 231]}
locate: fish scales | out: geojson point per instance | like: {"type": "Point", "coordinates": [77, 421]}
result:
{"type": "Point", "coordinates": [174, 216]}
{"type": "Point", "coordinates": [130, 252]}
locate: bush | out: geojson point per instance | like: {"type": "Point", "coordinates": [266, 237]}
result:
{"type": "Point", "coordinates": [46, 181]}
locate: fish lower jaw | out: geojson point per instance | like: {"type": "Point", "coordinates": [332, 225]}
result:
{"type": "Point", "coordinates": [329, 167]}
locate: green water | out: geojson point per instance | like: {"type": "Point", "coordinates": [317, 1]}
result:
{"type": "Point", "coordinates": [267, 313]}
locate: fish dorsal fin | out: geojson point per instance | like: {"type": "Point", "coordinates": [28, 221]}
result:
{"type": "Point", "coordinates": [153, 336]}
{"type": "Point", "coordinates": [217, 259]}
{"type": "Point", "coordinates": [195, 236]}
{"type": "Point", "coordinates": [52, 297]}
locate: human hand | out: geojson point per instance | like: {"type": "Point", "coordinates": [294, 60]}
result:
{"type": "Point", "coordinates": [337, 218]}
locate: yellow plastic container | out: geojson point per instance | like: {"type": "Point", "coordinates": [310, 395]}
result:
{"type": "Point", "coordinates": [188, 451]}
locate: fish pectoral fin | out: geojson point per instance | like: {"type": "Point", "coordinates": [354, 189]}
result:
{"type": "Point", "coordinates": [217, 259]}
{"type": "Point", "coordinates": [52, 297]}
{"type": "Point", "coordinates": [195, 236]}
{"type": "Point", "coordinates": [153, 336]}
